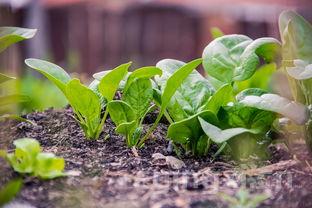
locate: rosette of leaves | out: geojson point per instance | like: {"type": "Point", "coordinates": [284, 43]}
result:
{"type": "Point", "coordinates": [86, 102]}
{"type": "Point", "coordinates": [28, 158]}
{"type": "Point", "coordinates": [194, 98]}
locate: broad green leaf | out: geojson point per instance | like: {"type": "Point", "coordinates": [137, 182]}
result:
{"type": "Point", "coordinates": [23, 160]}
{"type": "Point", "coordinates": [218, 135]}
{"type": "Point", "coordinates": [301, 70]}
{"type": "Point", "coordinates": [275, 103]}
{"type": "Point", "coordinates": [191, 96]}
{"type": "Point", "coordinates": [4, 78]}
{"type": "Point", "coordinates": [296, 34]}
{"type": "Point", "coordinates": [260, 79]}
{"type": "Point", "coordinates": [223, 96]}
{"type": "Point", "coordinates": [139, 96]}
{"type": "Point", "coordinates": [175, 81]}
{"type": "Point", "coordinates": [85, 103]}
{"type": "Point", "coordinates": [189, 130]}
{"type": "Point", "coordinates": [11, 35]}
{"type": "Point", "coordinates": [54, 73]}
{"type": "Point", "coordinates": [9, 191]}
{"type": "Point", "coordinates": [236, 57]}
{"type": "Point", "coordinates": [120, 112]}
{"type": "Point", "coordinates": [144, 72]}
{"type": "Point", "coordinates": [49, 166]}
{"type": "Point", "coordinates": [126, 128]}
{"type": "Point", "coordinates": [251, 91]}
{"type": "Point", "coordinates": [239, 115]}
{"type": "Point", "coordinates": [110, 82]}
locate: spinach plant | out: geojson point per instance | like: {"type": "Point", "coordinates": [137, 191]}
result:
{"type": "Point", "coordinates": [296, 34]}
{"type": "Point", "coordinates": [29, 159]}
{"type": "Point", "coordinates": [194, 98]}
{"type": "Point", "coordinates": [86, 102]}
{"type": "Point", "coordinates": [129, 112]}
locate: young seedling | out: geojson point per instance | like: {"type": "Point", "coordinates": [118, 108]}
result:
{"type": "Point", "coordinates": [29, 159]}
{"type": "Point", "coordinates": [9, 191]}
{"type": "Point", "coordinates": [86, 102]}
{"type": "Point", "coordinates": [243, 199]}
{"type": "Point", "coordinates": [129, 112]}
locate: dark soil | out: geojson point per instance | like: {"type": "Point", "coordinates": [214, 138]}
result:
{"type": "Point", "coordinates": [112, 175]}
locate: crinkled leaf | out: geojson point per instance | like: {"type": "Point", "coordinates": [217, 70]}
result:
{"type": "Point", "coordinates": [301, 70]}
{"type": "Point", "coordinates": [239, 115]}
{"type": "Point", "coordinates": [218, 135]}
{"type": "Point", "coordinates": [191, 96]}
{"type": "Point", "coordinates": [9, 191]}
{"type": "Point", "coordinates": [23, 160]}
{"type": "Point", "coordinates": [144, 72]}
{"type": "Point", "coordinates": [49, 166]}
{"type": "Point", "coordinates": [11, 35]}
{"type": "Point", "coordinates": [94, 86]}
{"type": "Point", "coordinates": [236, 57]}
{"type": "Point", "coordinates": [139, 96]}
{"type": "Point", "coordinates": [110, 82]}
{"type": "Point", "coordinates": [54, 73]}
{"type": "Point", "coordinates": [251, 91]}
{"type": "Point", "coordinates": [275, 103]}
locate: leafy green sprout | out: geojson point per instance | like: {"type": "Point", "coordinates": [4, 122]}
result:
{"type": "Point", "coordinates": [9, 191]}
{"type": "Point", "coordinates": [28, 158]}
{"type": "Point", "coordinates": [243, 199]}
{"type": "Point", "coordinates": [86, 102]}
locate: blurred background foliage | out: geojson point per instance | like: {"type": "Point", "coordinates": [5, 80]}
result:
{"type": "Point", "coordinates": [87, 36]}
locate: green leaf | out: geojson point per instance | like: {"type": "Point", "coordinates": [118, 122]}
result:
{"type": "Point", "coordinates": [126, 128]}
{"type": "Point", "coordinates": [49, 166]}
{"type": "Point", "coordinates": [9, 191]}
{"type": "Point", "coordinates": [191, 96]}
{"type": "Point", "coordinates": [54, 73]}
{"type": "Point", "coordinates": [23, 160]}
{"type": "Point", "coordinates": [139, 96]}
{"type": "Point", "coordinates": [120, 112]}
{"type": "Point", "coordinates": [236, 57]}
{"type": "Point", "coordinates": [86, 105]}
{"type": "Point", "coordinates": [222, 97]}
{"type": "Point", "coordinates": [275, 103]}
{"type": "Point", "coordinates": [16, 117]}
{"type": "Point", "coordinates": [239, 115]}
{"type": "Point", "coordinates": [260, 79]}
{"type": "Point", "coordinates": [218, 135]}
{"type": "Point", "coordinates": [296, 34]}
{"type": "Point", "coordinates": [110, 82]}
{"type": "Point", "coordinates": [4, 78]}
{"type": "Point", "coordinates": [172, 84]}
{"type": "Point", "coordinates": [94, 86]}
{"type": "Point", "coordinates": [216, 32]}
{"type": "Point", "coordinates": [189, 129]}
{"type": "Point", "coordinates": [251, 91]}
{"type": "Point", "coordinates": [11, 35]}
{"type": "Point", "coordinates": [144, 72]}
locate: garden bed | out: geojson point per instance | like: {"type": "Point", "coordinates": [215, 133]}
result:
{"type": "Point", "coordinates": [109, 174]}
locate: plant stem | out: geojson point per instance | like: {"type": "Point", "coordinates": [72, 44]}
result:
{"type": "Point", "coordinates": [150, 130]}
{"type": "Point", "coordinates": [100, 127]}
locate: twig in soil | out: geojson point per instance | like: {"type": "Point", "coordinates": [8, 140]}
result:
{"type": "Point", "coordinates": [271, 168]}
